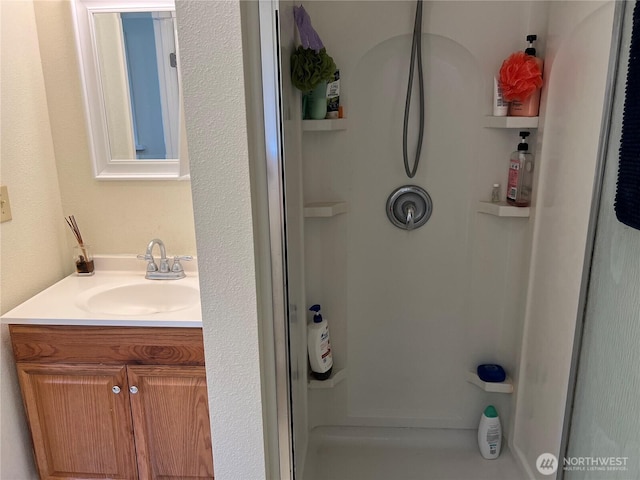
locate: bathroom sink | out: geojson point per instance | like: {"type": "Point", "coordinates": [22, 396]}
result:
{"type": "Point", "coordinates": [139, 298]}
{"type": "Point", "coordinates": [117, 295]}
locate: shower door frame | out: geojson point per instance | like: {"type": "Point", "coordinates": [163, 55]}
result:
{"type": "Point", "coordinates": [273, 131]}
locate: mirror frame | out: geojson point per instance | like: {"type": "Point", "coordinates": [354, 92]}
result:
{"type": "Point", "coordinates": [104, 167]}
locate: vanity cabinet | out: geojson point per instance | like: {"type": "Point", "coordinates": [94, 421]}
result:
{"type": "Point", "coordinates": [115, 402]}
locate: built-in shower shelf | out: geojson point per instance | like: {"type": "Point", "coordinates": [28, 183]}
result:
{"type": "Point", "coordinates": [324, 125]}
{"type": "Point", "coordinates": [510, 122]}
{"type": "Point", "coordinates": [495, 387]}
{"type": "Point", "coordinates": [324, 209]}
{"type": "Point", "coordinates": [336, 377]}
{"type": "Point", "coordinates": [503, 209]}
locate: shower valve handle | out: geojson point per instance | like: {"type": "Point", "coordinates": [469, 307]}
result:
{"type": "Point", "coordinates": [411, 211]}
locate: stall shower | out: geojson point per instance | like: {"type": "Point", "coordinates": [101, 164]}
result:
{"type": "Point", "coordinates": [414, 306]}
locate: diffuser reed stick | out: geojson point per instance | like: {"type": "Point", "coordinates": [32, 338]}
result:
{"type": "Point", "coordinates": [84, 265]}
{"type": "Point", "coordinates": [73, 225]}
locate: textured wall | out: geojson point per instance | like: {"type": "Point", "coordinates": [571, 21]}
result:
{"type": "Point", "coordinates": [34, 250]}
{"type": "Point", "coordinates": [115, 217]}
{"type": "Point", "coordinates": [606, 421]}
{"type": "Point", "coordinates": [211, 45]}
{"type": "Point", "coordinates": [576, 68]}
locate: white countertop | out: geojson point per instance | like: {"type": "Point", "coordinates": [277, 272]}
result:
{"type": "Point", "coordinates": [60, 305]}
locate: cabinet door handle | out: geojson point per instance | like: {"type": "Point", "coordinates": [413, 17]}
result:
{"type": "Point", "coordinates": [115, 389]}
{"type": "Point", "coordinates": [133, 389]}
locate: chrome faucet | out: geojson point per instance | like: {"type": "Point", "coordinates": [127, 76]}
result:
{"type": "Point", "coordinates": [163, 272]}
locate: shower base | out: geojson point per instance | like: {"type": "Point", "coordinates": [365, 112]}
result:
{"type": "Point", "coordinates": [372, 453]}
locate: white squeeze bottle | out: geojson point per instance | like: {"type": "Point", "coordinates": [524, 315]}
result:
{"type": "Point", "coordinates": [490, 433]}
{"type": "Point", "coordinates": [319, 346]}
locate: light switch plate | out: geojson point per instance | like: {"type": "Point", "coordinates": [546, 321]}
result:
{"type": "Point", "coordinates": [5, 205]}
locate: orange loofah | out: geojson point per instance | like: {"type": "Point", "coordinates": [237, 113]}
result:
{"type": "Point", "coordinates": [520, 76]}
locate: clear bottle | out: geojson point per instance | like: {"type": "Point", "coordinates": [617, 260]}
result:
{"type": "Point", "coordinates": [531, 106]}
{"type": "Point", "coordinates": [520, 182]}
{"type": "Point", "coordinates": [495, 193]}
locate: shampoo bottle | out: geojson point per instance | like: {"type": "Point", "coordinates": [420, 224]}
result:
{"type": "Point", "coordinates": [500, 105]}
{"type": "Point", "coordinates": [531, 106]}
{"type": "Point", "coordinates": [520, 181]}
{"type": "Point", "coordinates": [319, 346]}
{"type": "Point", "coordinates": [490, 433]}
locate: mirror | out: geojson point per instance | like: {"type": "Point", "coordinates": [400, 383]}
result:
{"type": "Point", "coordinates": [131, 84]}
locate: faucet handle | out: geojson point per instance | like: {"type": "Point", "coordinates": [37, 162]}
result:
{"type": "Point", "coordinates": [177, 266]}
{"type": "Point", "coordinates": [151, 266]}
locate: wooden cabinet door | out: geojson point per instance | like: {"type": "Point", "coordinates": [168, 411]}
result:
{"type": "Point", "coordinates": [80, 422]}
{"type": "Point", "coordinates": [171, 422]}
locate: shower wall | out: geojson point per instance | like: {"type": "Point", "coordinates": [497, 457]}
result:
{"type": "Point", "coordinates": [577, 63]}
{"type": "Point", "coordinates": [412, 312]}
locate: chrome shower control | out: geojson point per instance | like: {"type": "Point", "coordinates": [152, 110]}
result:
{"type": "Point", "coordinates": [409, 207]}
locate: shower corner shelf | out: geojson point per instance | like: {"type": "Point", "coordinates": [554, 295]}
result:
{"type": "Point", "coordinates": [503, 209]}
{"type": "Point", "coordinates": [510, 122]}
{"type": "Point", "coordinates": [324, 125]}
{"type": "Point", "coordinates": [324, 209]}
{"type": "Point", "coordinates": [336, 377]}
{"type": "Point", "coordinates": [494, 387]}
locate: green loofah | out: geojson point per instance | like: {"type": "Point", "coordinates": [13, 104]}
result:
{"type": "Point", "coordinates": [309, 68]}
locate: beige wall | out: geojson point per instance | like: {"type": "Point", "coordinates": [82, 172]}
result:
{"type": "Point", "coordinates": [45, 164]}
{"type": "Point", "coordinates": [34, 250]}
{"type": "Point", "coordinates": [115, 217]}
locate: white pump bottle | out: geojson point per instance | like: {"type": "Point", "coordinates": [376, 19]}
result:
{"type": "Point", "coordinates": [319, 346]}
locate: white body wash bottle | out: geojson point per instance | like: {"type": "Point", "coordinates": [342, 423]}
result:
{"type": "Point", "coordinates": [490, 433]}
{"type": "Point", "coordinates": [319, 345]}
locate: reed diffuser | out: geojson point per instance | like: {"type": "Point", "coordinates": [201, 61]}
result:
{"type": "Point", "coordinates": [82, 255]}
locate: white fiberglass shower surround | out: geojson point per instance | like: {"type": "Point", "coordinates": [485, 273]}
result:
{"type": "Point", "coordinates": [411, 313]}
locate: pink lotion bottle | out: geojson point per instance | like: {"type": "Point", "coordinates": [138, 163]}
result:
{"type": "Point", "coordinates": [531, 106]}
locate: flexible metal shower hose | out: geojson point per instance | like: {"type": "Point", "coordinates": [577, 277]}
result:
{"type": "Point", "coordinates": [416, 54]}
